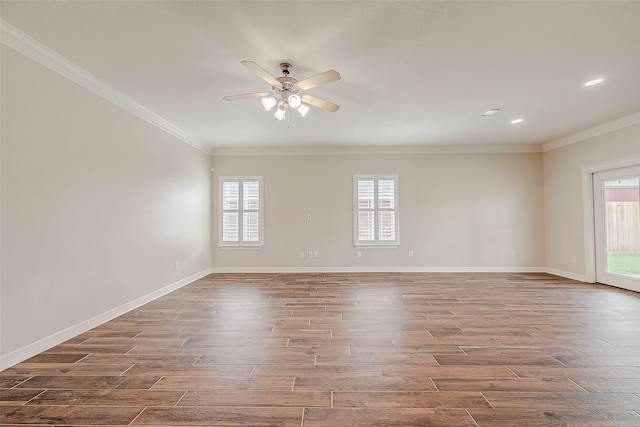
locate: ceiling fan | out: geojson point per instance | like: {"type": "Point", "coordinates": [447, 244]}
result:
{"type": "Point", "coordinates": [287, 92]}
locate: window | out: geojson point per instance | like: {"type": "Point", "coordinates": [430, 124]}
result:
{"type": "Point", "coordinates": [375, 210]}
{"type": "Point", "coordinates": [240, 211]}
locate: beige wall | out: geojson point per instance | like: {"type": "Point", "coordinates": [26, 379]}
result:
{"type": "Point", "coordinates": [564, 210]}
{"type": "Point", "coordinates": [457, 212]}
{"type": "Point", "coordinates": [97, 205]}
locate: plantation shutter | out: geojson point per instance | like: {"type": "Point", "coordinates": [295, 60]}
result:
{"type": "Point", "coordinates": [251, 211]}
{"type": "Point", "coordinates": [241, 211]}
{"type": "Point", "coordinates": [387, 210]}
{"type": "Point", "coordinates": [376, 210]}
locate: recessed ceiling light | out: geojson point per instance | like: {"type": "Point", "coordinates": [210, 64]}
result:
{"type": "Point", "coordinates": [490, 112]}
{"type": "Point", "coordinates": [594, 82]}
{"type": "Point", "coordinates": [516, 121]}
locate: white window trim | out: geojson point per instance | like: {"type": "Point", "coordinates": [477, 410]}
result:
{"type": "Point", "coordinates": [376, 243]}
{"type": "Point", "coordinates": [240, 243]}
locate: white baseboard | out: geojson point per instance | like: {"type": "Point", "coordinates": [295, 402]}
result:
{"type": "Point", "coordinates": [568, 275]}
{"type": "Point", "coordinates": [17, 356]}
{"type": "Point", "coordinates": [370, 269]}
{"type": "Point", "coordinates": [555, 272]}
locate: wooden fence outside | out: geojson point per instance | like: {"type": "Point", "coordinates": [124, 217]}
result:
{"type": "Point", "coordinates": [623, 227]}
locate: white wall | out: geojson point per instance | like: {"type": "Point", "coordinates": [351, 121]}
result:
{"type": "Point", "coordinates": [564, 214]}
{"type": "Point", "coordinates": [457, 212]}
{"type": "Point", "coordinates": [97, 206]}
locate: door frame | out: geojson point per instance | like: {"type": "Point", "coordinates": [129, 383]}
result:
{"type": "Point", "coordinates": [589, 207]}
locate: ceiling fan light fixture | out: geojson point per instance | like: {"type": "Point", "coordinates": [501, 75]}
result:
{"type": "Point", "coordinates": [268, 102]}
{"type": "Point", "coordinates": [294, 101]}
{"type": "Point", "coordinates": [281, 112]}
{"type": "Point", "coordinates": [303, 110]}
{"type": "Point", "coordinates": [289, 92]}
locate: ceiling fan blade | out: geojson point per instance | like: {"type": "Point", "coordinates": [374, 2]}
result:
{"type": "Point", "coordinates": [319, 79]}
{"type": "Point", "coordinates": [261, 72]}
{"type": "Point", "coordinates": [246, 95]}
{"type": "Point", "coordinates": [320, 103]}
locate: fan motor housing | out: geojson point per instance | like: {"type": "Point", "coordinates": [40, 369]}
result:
{"type": "Point", "coordinates": [288, 83]}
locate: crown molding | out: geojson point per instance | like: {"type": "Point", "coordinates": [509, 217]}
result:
{"type": "Point", "coordinates": [31, 48]}
{"type": "Point", "coordinates": [612, 126]}
{"type": "Point", "coordinates": [386, 150]}
{"type": "Point", "coordinates": [23, 43]}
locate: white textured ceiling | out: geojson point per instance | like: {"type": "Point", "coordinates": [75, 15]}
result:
{"type": "Point", "coordinates": [414, 73]}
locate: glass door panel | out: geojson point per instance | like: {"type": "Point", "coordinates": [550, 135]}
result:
{"type": "Point", "coordinates": [617, 227]}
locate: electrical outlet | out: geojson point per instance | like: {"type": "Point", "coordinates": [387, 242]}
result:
{"type": "Point", "coordinates": [513, 254]}
{"type": "Point", "coordinates": [310, 254]}
{"type": "Point", "coordinates": [309, 217]}
{"type": "Point", "coordinates": [358, 254]}
{"type": "Point", "coordinates": [410, 254]}
{"type": "Point", "coordinates": [315, 254]}
{"type": "Point", "coordinates": [301, 254]}
{"type": "Point", "coordinates": [177, 265]}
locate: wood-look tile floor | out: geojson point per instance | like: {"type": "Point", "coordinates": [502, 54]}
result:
{"type": "Point", "coordinates": [347, 350]}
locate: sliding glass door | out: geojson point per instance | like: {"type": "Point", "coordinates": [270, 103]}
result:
{"type": "Point", "coordinates": [616, 195]}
